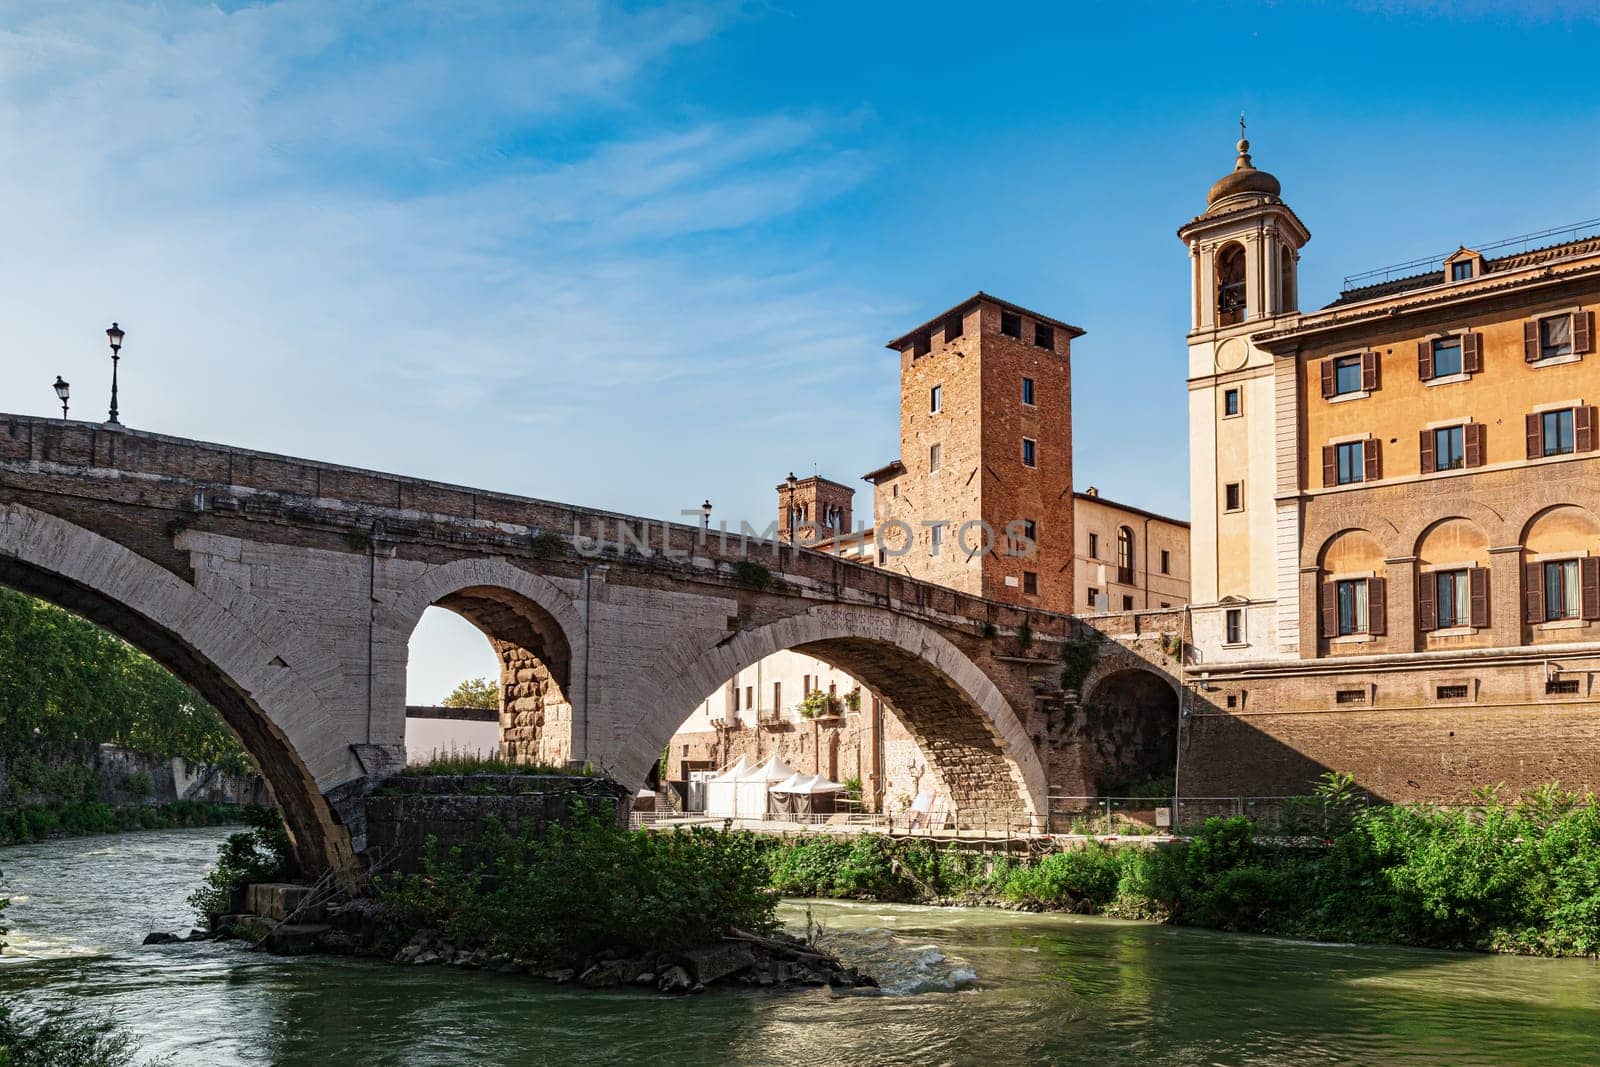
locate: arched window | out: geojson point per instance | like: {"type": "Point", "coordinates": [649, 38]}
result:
{"type": "Point", "coordinates": [1230, 284]}
{"type": "Point", "coordinates": [1125, 555]}
{"type": "Point", "coordinates": [1286, 293]}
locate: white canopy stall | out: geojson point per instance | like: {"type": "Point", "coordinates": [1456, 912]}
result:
{"type": "Point", "coordinates": [751, 799]}
{"type": "Point", "coordinates": [722, 791]}
{"type": "Point", "coordinates": [801, 796]}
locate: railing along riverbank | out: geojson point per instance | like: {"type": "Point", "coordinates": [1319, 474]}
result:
{"type": "Point", "coordinates": [1066, 817]}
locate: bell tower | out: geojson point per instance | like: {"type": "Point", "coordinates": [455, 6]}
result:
{"type": "Point", "coordinates": [1244, 254]}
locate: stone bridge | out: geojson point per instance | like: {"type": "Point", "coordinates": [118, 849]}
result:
{"type": "Point", "coordinates": [285, 592]}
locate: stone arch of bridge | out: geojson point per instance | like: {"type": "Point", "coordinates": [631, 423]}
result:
{"type": "Point", "coordinates": [973, 739]}
{"type": "Point", "coordinates": [239, 654]}
{"type": "Point", "coordinates": [537, 635]}
{"type": "Point", "coordinates": [1130, 727]}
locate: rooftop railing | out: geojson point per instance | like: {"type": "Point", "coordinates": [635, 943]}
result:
{"type": "Point", "coordinates": [1506, 246]}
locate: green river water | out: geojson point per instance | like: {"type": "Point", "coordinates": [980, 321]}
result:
{"type": "Point", "coordinates": [965, 986]}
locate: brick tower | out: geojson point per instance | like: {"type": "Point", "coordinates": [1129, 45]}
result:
{"type": "Point", "coordinates": [813, 509]}
{"type": "Point", "coordinates": [985, 434]}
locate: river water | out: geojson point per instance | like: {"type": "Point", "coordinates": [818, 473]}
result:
{"type": "Point", "coordinates": [972, 986]}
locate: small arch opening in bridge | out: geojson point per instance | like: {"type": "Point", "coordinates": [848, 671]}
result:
{"type": "Point", "coordinates": [452, 689]}
{"type": "Point", "coordinates": [513, 662]}
{"type": "Point", "coordinates": [1131, 732]}
{"type": "Point", "coordinates": [976, 748]}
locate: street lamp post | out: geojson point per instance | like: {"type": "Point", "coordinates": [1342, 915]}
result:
{"type": "Point", "coordinates": [62, 388]}
{"type": "Point", "coordinates": [705, 515]}
{"type": "Point", "coordinates": [790, 516]}
{"type": "Point", "coordinates": [114, 335]}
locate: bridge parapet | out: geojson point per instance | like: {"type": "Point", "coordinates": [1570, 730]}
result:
{"type": "Point", "coordinates": [359, 506]}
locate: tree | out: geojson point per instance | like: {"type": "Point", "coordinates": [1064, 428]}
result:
{"type": "Point", "coordinates": [67, 685]}
{"type": "Point", "coordinates": [475, 693]}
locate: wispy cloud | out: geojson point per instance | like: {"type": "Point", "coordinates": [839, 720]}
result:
{"type": "Point", "coordinates": [436, 239]}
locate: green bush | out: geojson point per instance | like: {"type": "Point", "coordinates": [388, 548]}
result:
{"type": "Point", "coordinates": [1521, 877]}
{"type": "Point", "coordinates": [32, 1039]}
{"type": "Point", "coordinates": [584, 887]}
{"type": "Point", "coordinates": [260, 854]}
{"type": "Point", "coordinates": [471, 761]}
{"type": "Point", "coordinates": [36, 822]}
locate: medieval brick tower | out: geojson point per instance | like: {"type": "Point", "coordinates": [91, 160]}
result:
{"type": "Point", "coordinates": [813, 509]}
{"type": "Point", "coordinates": [985, 462]}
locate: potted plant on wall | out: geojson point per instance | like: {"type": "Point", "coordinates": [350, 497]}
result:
{"type": "Point", "coordinates": [818, 705]}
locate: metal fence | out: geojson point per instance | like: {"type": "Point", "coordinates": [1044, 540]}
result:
{"type": "Point", "coordinates": [1129, 816]}
{"type": "Point", "coordinates": [1065, 817]}
{"type": "Point", "coordinates": [997, 824]}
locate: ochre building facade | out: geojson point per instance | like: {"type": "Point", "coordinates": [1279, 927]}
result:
{"type": "Point", "coordinates": [1396, 508]}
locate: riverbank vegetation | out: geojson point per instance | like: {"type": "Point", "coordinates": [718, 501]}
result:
{"type": "Point", "coordinates": [1505, 877]}
{"type": "Point", "coordinates": [68, 686]}
{"type": "Point", "coordinates": [73, 818]}
{"type": "Point", "coordinates": [31, 1038]}
{"type": "Point", "coordinates": [260, 854]}
{"type": "Point", "coordinates": [586, 888]}
{"type": "Point", "coordinates": [471, 761]}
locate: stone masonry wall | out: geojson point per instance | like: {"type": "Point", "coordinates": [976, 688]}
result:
{"type": "Point", "coordinates": [529, 703]}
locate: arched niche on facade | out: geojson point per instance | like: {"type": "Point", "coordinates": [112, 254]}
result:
{"type": "Point", "coordinates": [1451, 541]}
{"type": "Point", "coordinates": [1351, 552]}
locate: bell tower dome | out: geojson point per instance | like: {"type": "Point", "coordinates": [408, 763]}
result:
{"type": "Point", "coordinates": [1245, 248]}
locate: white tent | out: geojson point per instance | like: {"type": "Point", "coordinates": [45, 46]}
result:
{"type": "Point", "coordinates": [722, 791]}
{"type": "Point", "coordinates": [789, 783]}
{"type": "Point", "coordinates": [819, 784]}
{"type": "Point", "coordinates": [815, 795]}
{"type": "Point", "coordinates": [750, 797]}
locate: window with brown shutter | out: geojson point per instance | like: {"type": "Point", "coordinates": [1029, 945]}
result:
{"type": "Point", "coordinates": [1474, 435]}
{"type": "Point", "coordinates": [1535, 436]}
{"type": "Point", "coordinates": [1480, 597]}
{"type": "Point", "coordinates": [1425, 360]}
{"type": "Point", "coordinates": [1582, 332]}
{"type": "Point", "coordinates": [1369, 371]}
{"type": "Point", "coordinates": [1327, 377]}
{"type": "Point", "coordinates": [1377, 606]}
{"type": "Point", "coordinates": [1428, 461]}
{"type": "Point", "coordinates": [1530, 340]}
{"type": "Point", "coordinates": [1533, 593]}
{"type": "Point", "coordinates": [1330, 610]}
{"type": "Point", "coordinates": [1589, 586]}
{"type": "Point", "coordinates": [1583, 420]}
{"type": "Point", "coordinates": [1374, 467]}
{"type": "Point", "coordinates": [1472, 353]}
{"type": "Point", "coordinates": [1330, 465]}
{"type": "Point", "coordinates": [1427, 612]}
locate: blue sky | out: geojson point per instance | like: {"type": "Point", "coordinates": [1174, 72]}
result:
{"type": "Point", "coordinates": [637, 256]}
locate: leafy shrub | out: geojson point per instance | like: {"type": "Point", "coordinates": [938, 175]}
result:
{"type": "Point", "coordinates": [260, 854]}
{"type": "Point", "coordinates": [471, 761]}
{"type": "Point", "coordinates": [587, 886]}
{"type": "Point", "coordinates": [35, 822]}
{"type": "Point", "coordinates": [1521, 877]}
{"type": "Point", "coordinates": [755, 575]}
{"type": "Point", "coordinates": [32, 1039]}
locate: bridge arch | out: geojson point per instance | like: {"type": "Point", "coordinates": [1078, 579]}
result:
{"type": "Point", "coordinates": [1130, 727]}
{"type": "Point", "coordinates": [973, 738]}
{"type": "Point", "coordinates": [537, 635]}
{"type": "Point", "coordinates": [236, 652]}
